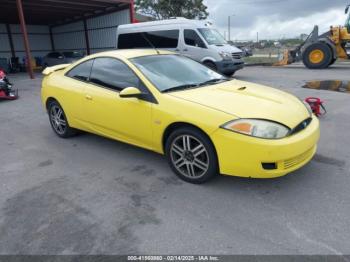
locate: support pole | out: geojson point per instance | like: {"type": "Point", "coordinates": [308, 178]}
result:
{"type": "Point", "coordinates": [86, 37]}
{"type": "Point", "coordinates": [51, 39]}
{"type": "Point", "coordinates": [229, 28]}
{"type": "Point", "coordinates": [25, 38]}
{"type": "Point", "coordinates": [9, 34]}
{"type": "Point", "coordinates": [132, 11]}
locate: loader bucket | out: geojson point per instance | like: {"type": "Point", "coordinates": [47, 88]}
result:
{"type": "Point", "coordinates": [286, 59]}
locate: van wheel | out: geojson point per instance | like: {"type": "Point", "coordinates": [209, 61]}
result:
{"type": "Point", "coordinates": [210, 65]}
{"type": "Point", "coordinates": [230, 74]}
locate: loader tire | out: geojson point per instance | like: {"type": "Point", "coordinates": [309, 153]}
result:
{"type": "Point", "coordinates": [332, 61]}
{"type": "Point", "coordinates": [317, 56]}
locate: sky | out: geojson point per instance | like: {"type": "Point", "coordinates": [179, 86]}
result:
{"type": "Point", "coordinates": [275, 19]}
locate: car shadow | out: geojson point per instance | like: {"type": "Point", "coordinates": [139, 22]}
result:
{"type": "Point", "coordinates": [298, 179]}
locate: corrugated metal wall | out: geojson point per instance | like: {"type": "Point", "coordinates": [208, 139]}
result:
{"type": "Point", "coordinates": [105, 27]}
{"type": "Point", "coordinates": [101, 32]}
{"type": "Point", "coordinates": [4, 42]}
{"type": "Point", "coordinates": [39, 40]}
{"type": "Point", "coordinates": [69, 37]}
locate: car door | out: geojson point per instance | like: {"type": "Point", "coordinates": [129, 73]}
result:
{"type": "Point", "coordinates": [74, 83]}
{"type": "Point", "coordinates": [106, 113]}
{"type": "Point", "coordinates": [193, 46]}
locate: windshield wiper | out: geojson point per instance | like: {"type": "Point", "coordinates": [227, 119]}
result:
{"type": "Point", "coordinates": [181, 87]}
{"type": "Point", "coordinates": [212, 81]}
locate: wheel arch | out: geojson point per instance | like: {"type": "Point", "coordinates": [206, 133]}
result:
{"type": "Point", "coordinates": [324, 41]}
{"type": "Point", "coordinates": [49, 100]}
{"type": "Point", "coordinates": [176, 125]}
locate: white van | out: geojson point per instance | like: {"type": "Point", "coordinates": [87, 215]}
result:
{"type": "Point", "coordinates": [198, 40]}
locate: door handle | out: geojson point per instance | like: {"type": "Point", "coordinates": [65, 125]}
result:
{"type": "Point", "coordinates": [88, 97]}
{"type": "Point", "coordinates": [185, 50]}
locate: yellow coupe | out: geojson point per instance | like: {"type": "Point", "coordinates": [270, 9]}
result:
{"type": "Point", "coordinates": [205, 123]}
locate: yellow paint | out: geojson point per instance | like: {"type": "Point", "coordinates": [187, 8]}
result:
{"type": "Point", "coordinates": [316, 56]}
{"type": "Point", "coordinates": [104, 112]}
{"type": "Point", "coordinates": [339, 35]}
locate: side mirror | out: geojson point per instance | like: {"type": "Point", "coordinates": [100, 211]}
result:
{"type": "Point", "coordinates": [347, 9]}
{"type": "Point", "coordinates": [129, 92]}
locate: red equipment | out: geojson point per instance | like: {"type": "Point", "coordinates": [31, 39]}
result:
{"type": "Point", "coordinates": [316, 105]}
{"type": "Point", "coordinates": [6, 91]}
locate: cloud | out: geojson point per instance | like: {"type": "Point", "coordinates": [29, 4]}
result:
{"type": "Point", "coordinates": [275, 19]}
{"type": "Point", "coordinates": [273, 27]}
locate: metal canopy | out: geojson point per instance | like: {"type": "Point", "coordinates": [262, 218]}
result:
{"type": "Point", "coordinates": [56, 12]}
{"type": "Point", "coordinates": [53, 13]}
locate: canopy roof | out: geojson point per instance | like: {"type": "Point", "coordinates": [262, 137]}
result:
{"type": "Point", "coordinates": [55, 12]}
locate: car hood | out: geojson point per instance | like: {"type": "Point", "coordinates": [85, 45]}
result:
{"type": "Point", "coordinates": [247, 100]}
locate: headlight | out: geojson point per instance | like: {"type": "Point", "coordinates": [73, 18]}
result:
{"type": "Point", "coordinates": [257, 128]}
{"type": "Point", "coordinates": [226, 55]}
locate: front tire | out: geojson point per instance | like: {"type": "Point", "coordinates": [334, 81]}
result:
{"type": "Point", "coordinates": [191, 155]}
{"type": "Point", "coordinates": [58, 121]}
{"type": "Point", "coordinates": [317, 56]}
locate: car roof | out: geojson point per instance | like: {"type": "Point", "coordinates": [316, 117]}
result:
{"type": "Point", "coordinates": [131, 53]}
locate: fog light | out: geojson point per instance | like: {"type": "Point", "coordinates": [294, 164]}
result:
{"type": "Point", "coordinates": [269, 166]}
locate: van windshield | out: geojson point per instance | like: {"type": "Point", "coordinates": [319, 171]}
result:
{"type": "Point", "coordinates": [212, 36]}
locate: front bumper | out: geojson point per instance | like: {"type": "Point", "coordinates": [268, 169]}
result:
{"type": "Point", "coordinates": [229, 66]}
{"type": "Point", "coordinates": [241, 155]}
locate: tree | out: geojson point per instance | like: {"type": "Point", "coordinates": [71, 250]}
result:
{"type": "Point", "coordinates": [165, 9]}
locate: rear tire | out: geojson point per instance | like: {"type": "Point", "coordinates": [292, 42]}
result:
{"type": "Point", "coordinates": [58, 120]}
{"type": "Point", "coordinates": [211, 65]}
{"type": "Point", "coordinates": [317, 56]}
{"type": "Point", "coordinates": [191, 155]}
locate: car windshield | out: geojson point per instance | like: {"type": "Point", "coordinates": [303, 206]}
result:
{"type": "Point", "coordinates": [174, 72]}
{"type": "Point", "coordinates": [72, 54]}
{"type": "Point", "coordinates": [212, 36]}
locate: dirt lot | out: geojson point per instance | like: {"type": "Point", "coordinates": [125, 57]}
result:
{"type": "Point", "coordinates": [91, 195]}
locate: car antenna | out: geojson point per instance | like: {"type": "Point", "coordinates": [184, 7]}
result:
{"type": "Point", "coordinates": [150, 43]}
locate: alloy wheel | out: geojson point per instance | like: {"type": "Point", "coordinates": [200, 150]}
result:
{"type": "Point", "coordinates": [58, 120]}
{"type": "Point", "coordinates": [189, 156]}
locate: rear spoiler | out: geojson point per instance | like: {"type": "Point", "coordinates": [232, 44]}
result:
{"type": "Point", "coordinates": [51, 69]}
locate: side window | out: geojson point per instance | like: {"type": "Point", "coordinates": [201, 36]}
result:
{"type": "Point", "coordinates": [193, 39]}
{"type": "Point", "coordinates": [159, 39]}
{"type": "Point", "coordinates": [164, 39]}
{"type": "Point", "coordinates": [132, 40]}
{"type": "Point", "coordinates": [81, 71]}
{"type": "Point", "coordinates": [113, 74]}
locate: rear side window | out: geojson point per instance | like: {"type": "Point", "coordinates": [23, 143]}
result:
{"type": "Point", "coordinates": [159, 39]}
{"type": "Point", "coordinates": [193, 39]}
{"type": "Point", "coordinates": [81, 71]}
{"type": "Point", "coordinates": [113, 74]}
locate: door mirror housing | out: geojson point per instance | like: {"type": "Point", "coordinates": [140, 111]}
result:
{"type": "Point", "coordinates": [130, 92]}
{"type": "Point", "coordinates": [347, 9]}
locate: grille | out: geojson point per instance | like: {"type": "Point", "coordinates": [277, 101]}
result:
{"type": "Point", "coordinates": [237, 55]}
{"type": "Point", "coordinates": [297, 160]}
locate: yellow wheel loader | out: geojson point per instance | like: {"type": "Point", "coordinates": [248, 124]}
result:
{"type": "Point", "coordinates": [321, 51]}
